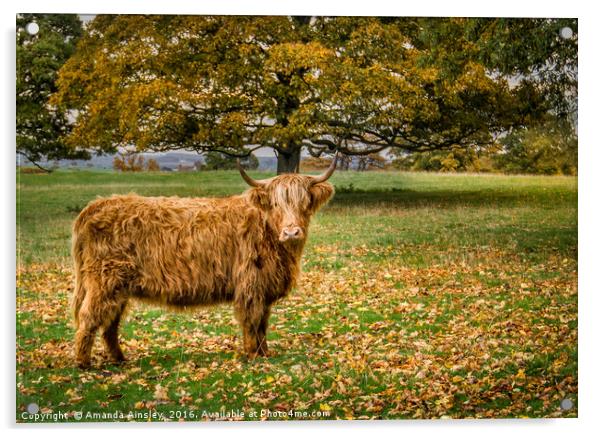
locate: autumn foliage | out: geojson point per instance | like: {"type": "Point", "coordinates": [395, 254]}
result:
{"type": "Point", "coordinates": [133, 162]}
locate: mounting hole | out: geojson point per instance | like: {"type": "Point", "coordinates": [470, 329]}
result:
{"type": "Point", "coordinates": [32, 28]}
{"type": "Point", "coordinates": [566, 33]}
{"type": "Point", "coordinates": [566, 404]}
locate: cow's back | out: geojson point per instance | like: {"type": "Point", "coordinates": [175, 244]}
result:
{"type": "Point", "coordinates": [177, 251]}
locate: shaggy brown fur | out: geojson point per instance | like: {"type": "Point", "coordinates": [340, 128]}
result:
{"type": "Point", "coordinates": [187, 252]}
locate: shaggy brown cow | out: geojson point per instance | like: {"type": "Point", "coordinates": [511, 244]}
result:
{"type": "Point", "coordinates": [187, 252]}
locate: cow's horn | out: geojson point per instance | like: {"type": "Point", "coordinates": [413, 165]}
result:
{"type": "Point", "coordinates": [248, 179]}
{"type": "Point", "coordinates": [324, 176]}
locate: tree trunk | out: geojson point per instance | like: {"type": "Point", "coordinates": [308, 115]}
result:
{"type": "Point", "coordinates": [289, 162]}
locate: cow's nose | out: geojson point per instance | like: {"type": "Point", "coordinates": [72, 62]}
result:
{"type": "Point", "coordinates": [292, 233]}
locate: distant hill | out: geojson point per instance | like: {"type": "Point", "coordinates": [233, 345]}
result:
{"type": "Point", "coordinates": [168, 161]}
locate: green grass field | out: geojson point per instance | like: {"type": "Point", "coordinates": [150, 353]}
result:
{"type": "Point", "coordinates": [423, 296]}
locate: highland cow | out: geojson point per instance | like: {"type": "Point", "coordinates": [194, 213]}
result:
{"type": "Point", "coordinates": [191, 252]}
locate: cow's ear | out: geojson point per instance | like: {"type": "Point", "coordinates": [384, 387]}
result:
{"type": "Point", "coordinates": [320, 193]}
{"type": "Point", "coordinates": [259, 198]}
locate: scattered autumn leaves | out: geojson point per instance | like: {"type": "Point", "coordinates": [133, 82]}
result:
{"type": "Point", "coordinates": [370, 340]}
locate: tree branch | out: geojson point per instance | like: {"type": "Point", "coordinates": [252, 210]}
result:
{"type": "Point", "coordinates": [47, 170]}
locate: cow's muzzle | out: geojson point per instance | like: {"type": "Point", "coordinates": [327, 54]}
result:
{"type": "Point", "coordinates": [291, 233]}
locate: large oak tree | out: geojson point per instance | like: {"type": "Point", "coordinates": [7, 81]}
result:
{"type": "Point", "coordinates": [359, 85]}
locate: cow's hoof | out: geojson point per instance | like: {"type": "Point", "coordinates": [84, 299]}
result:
{"type": "Point", "coordinates": [118, 357]}
{"type": "Point", "coordinates": [257, 354]}
{"type": "Point", "coordinates": [118, 360]}
{"type": "Point", "coordinates": [84, 365]}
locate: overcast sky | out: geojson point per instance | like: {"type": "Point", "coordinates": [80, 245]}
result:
{"type": "Point", "coordinates": [86, 17]}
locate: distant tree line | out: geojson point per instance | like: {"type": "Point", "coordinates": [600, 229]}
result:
{"type": "Point", "coordinates": [135, 162]}
{"type": "Point", "coordinates": [220, 161]}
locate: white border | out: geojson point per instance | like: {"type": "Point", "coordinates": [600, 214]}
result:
{"type": "Point", "coordinates": [466, 8]}
{"type": "Point", "coordinates": [589, 199]}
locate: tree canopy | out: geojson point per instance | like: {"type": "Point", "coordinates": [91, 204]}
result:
{"type": "Point", "coordinates": [40, 127]}
{"type": "Point", "coordinates": [357, 84]}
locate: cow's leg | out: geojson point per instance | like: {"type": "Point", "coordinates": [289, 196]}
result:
{"type": "Point", "coordinates": [253, 318]}
{"type": "Point", "coordinates": [84, 340]}
{"type": "Point", "coordinates": [262, 342]}
{"type": "Point", "coordinates": [87, 320]}
{"type": "Point", "coordinates": [98, 310]}
{"type": "Point", "coordinates": [111, 335]}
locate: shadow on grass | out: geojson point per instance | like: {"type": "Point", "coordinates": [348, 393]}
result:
{"type": "Point", "coordinates": [394, 197]}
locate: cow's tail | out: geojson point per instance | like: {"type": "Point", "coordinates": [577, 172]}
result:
{"type": "Point", "coordinates": [79, 292]}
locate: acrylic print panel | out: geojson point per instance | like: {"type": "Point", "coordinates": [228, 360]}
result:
{"type": "Point", "coordinates": [401, 245]}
